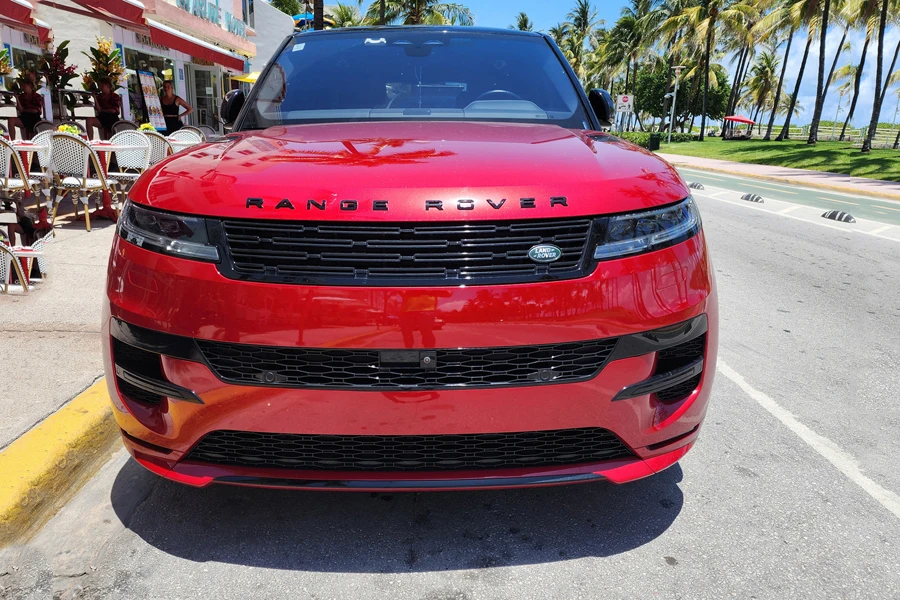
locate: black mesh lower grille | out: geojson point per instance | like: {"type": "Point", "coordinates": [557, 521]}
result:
{"type": "Point", "coordinates": [409, 453]}
{"type": "Point", "coordinates": [345, 369]}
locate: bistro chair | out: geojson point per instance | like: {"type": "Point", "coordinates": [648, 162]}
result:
{"type": "Point", "coordinates": [44, 173]}
{"type": "Point", "coordinates": [160, 148]}
{"type": "Point", "coordinates": [44, 125]}
{"type": "Point", "coordinates": [193, 129]}
{"type": "Point", "coordinates": [13, 177]}
{"type": "Point", "coordinates": [10, 263]}
{"type": "Point", "coordinates": [72, 160]}
{"type": "Point", "coordinates": [131, 162]}
{"type": "Point", "coordinates": [123, 125]}
{"type": "Point", "coordinates": [187, 134]}
{"type": "Point", "coordinates": [207, 131]}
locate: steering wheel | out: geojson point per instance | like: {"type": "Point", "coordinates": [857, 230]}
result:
{"type": "Point", "coordinates": [489, 95]}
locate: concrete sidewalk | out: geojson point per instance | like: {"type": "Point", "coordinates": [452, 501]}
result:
{"type": "Point", "coordinates": [51, 348]}
{"type": "Point", "coordinates": [819, 179]}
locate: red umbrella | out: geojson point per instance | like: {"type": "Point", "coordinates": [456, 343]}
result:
{"type": "Point", "coordinates": [736, 119]}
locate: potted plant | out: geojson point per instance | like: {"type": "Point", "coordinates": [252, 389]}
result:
{"type": "Point", "coordinates": [5, 65]}
{"type": "Point", "coordinates": [106, 63]}
{"type": "Point", "coordinates": [58, 75]}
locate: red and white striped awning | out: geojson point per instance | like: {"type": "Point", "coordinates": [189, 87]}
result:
{"type": "Point", "coordinates": [167, 36]}
{"type": "Point", "coordinates": [18, 15]}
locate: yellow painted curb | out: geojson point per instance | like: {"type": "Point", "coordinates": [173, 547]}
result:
{"type": "Point", "coordinates": [42, 469]}
{"type": "Point", "coordinates": [847, 189]}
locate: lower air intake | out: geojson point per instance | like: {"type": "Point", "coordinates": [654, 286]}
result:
{"type": "Point", "coordinates": [409, 453]}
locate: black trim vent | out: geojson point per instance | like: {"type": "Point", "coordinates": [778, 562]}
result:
{"type": "Point", "coordinates": [137, 361]}
{"type": "Point", "coordinates": [418, 254]}
{"type": "Point", "coordinates": [679, 357]}
{"type": "Point", "coordinates": [409, 453]}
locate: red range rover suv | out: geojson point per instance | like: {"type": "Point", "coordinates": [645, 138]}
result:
{"type": "Point", "coordinates": [416, 262]}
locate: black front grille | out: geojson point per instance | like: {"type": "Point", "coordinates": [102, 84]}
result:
{"type": "Point", "coordinates": [344, 369]}
{"type": "Point", "coordinates": [409, 452]}
{"type": "Point", "coordinates": [348, 253]}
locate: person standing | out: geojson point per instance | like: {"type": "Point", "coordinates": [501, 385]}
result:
{"type": "Point", "coordinates": [30, 109]}
{"type": "Point", "coordinates": [170, 108]}
{"type": "Point", "coordinates": [108, 106]}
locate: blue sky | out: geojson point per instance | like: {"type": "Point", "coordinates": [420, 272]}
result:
{"type": "Point", "coordinates": [546, 14]}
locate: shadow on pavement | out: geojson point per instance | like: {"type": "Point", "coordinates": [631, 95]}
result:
{"type": "Point", "coordinates": [398, 532]}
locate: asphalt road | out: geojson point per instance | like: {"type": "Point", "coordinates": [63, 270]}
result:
{"type": "Point", "coordinates": [791, 492]}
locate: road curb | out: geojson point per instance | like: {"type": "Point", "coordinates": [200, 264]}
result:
{"type": "Point", "coordinates": [847, 189]}
{"type": "Point", "coordinates": [47, 465]}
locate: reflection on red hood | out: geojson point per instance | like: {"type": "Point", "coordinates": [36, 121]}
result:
{"type": "Point", "coordinates": [340, 171]}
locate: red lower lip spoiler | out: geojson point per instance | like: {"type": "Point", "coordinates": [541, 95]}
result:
{"type": "Point", "coordinates": [631, 471]}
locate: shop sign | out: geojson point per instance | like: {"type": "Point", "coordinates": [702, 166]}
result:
{"type": "Point", "coordinates": [235, 25]}
{"type": "Point", "coordinates": [208, 11]}
{"type": "Point", "coordinates": [144, 40]}
{"type": "Point", "coordinates": [32, 40]}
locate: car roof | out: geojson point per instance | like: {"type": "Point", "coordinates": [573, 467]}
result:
{"type": "Point", "coordinates": [436, 28]}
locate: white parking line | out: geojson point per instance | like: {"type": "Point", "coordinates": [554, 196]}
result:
{"type": "Point", "coordinates": [880, 229]}
{"type": "Point", "coordinates": [818, 222]}
{"type": "Point", "coordinates": [886, 207]}
{"type": "Point", "coordinates": [841, 201]}
{"type": "Point", "coordinates": [785, 211]}
{"type": "Point", "coordinates": [841, 460]}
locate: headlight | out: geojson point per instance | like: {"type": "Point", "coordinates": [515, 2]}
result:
{"type": "Point", "coordinates": [639, 232]}
{"type": "Point", "coordinates": [179, 235]}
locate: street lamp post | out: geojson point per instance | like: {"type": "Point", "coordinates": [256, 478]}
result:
{"type": "Point", "coordinates": [674, 98]}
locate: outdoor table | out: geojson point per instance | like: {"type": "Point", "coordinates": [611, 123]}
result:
{"type": "Point", "coordinates": [179, 145]}
{"type": "Point", "coordinates": [104, 152]}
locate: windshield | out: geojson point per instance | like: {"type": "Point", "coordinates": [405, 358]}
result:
{"type": "Point", "coordinates": [371, 75]}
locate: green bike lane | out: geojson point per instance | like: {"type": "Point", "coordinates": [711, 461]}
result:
{"type": "Point", "coordinates": [860, 206]}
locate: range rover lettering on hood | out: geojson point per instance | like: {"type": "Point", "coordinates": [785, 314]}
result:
{"type": "Point", "coordinates": [383, 205]}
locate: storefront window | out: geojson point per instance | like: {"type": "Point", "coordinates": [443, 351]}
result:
{"type": "Point", "coordinates": [22, 59]}
{"type": "Point", "coordinates": [162, 69]}
{"type": "Point", "coordinates": [247, 6]}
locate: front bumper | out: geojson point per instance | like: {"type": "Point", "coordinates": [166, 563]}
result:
{"type": "Point", "coordinates": [621, 298]}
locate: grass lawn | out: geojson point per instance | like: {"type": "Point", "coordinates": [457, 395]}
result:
{"type": "Point", "coordinates": [834, 157]}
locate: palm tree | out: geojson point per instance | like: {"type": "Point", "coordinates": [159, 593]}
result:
{"type": "Point", "coordinates": [582, 20]}
{"type": "Point", "coordinates": [421, 12]}
{"type": "Point", "coordinates": [879, 67]}
{"type": "Point", "coordinates": [288, 7]}
{"type": "Point", "coordinates": [702, 20]}
{"type": "Point", "coordinates": [347, 16]}
{"type": "Point", "coordinates": [806, 13]}
{"type": "Point", "coordinates": [319, 15]}
{"type": "Point", "coordinates": [762, 82]}
{"type": "Point", "coordinates": [820, 84]}
{"type": "Point", "coordinates": [771, 25]}
{"type": "Point", "coordinates": [661, 12]}
{"type": "Point", "coordinates": [523, 23]}
{"type": "Point", "coordinates": [859, 13]}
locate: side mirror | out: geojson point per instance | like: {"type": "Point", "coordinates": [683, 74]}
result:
{"type": "Point", "coordinates": [232, 105]}
{"type": "Point", "coordinates": [603, 106]}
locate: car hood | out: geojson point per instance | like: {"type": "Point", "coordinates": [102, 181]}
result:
{"type": "Point", "coordinates": [401, 171]}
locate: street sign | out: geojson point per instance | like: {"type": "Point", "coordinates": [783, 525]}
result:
{"type": "Point", "coordinates": [624, 103]}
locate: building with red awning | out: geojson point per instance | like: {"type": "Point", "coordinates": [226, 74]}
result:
{"type": "Point", "coordinates": [198, 44]}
